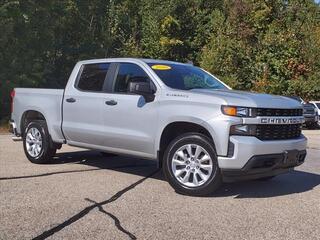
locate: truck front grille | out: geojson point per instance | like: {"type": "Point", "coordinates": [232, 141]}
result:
{"type": "Point", "coordinates": [278, 112]}
{"type": "Point", "coordinates": [278, 132]}
{"type": "Point", "coordinates": [308, 109]}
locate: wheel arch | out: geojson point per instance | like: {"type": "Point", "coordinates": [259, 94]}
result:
{"type": "Point", "coordinates": [176, 128]}
{"type": "Point", "coordinates": [28, 116]}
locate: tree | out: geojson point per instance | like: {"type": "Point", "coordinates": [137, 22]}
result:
{"type": "Point", "coordinates": [266, 46]}
{"type": "Point", "coordinates": [262, 45]}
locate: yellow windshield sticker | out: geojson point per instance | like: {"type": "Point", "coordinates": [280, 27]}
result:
{"type": "Point", "coordinates": [161, 67]}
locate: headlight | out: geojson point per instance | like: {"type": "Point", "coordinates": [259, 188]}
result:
{"type": "Point", "coordinates": [237, 111]}
{"type": "Point", "coordinates": [243, 129]}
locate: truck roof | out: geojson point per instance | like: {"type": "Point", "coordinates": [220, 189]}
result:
{"type": "Point", "coordinates": [149, 60]}
{"type": "Point", "coordinates": [146, 60]}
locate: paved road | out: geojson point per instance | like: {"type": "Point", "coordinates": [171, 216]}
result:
{"type": "Point", "coordinates": [83, 195]}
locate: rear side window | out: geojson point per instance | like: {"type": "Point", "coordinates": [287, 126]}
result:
{"type": "Point", "coordinates": [93, 76]}
{"type": "Point", "coordinates": [129, 72]}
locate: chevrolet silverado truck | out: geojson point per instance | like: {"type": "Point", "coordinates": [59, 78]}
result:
{"type": "Point", "coordinates": [199, 130]}
{"type": "Point", "coordinates": [316, 104]}
{"type": "Point", "coordinates": [310, 113]}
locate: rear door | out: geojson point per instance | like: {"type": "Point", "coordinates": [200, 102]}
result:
{"type": "Point", "coordinates": [82, 106]}
{"type": "Point", "coordinates": [130, 124]}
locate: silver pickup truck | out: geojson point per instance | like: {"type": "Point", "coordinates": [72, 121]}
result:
{"type": "Point", "coordinates": [199, 130]}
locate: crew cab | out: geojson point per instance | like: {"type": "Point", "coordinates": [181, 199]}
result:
{"type": "Point", "coordinates": [198, 129]}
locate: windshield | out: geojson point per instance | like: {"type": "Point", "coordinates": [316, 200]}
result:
{"type": "Point", "coordinates": [318, 105]}
{"type": "Point", "coordinates": [185, 77]}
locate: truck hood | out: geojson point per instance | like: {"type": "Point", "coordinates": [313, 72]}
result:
{"type": "Point", "coordinates": [250, 99]}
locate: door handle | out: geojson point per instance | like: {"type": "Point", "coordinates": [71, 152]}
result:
{"type": "Point", "coordinates": [111, 102]}
{"type": "Point", "coordinates": [70, 100]}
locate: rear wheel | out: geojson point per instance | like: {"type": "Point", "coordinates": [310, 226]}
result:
{"type": "Point", "coordinates": [37, 143]}
{"type": "Point", "coordinates": [190, 165]}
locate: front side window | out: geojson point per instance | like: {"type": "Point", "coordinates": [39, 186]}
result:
{"type": "Point", "coordinates": [93, 76]}
{"type": "Point", "coordinates": [185, 77]}
{"type": "Point", "coordinates": [129, 72]}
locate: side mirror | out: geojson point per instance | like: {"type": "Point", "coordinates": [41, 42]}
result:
{"type": "Point", "coordinates": [142, 88]}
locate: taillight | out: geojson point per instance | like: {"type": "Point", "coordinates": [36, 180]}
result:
{"type": "Point", "coordinates": [12, 94]}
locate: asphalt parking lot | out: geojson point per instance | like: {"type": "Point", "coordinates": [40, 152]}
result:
{"type": "Point", "coordinates": [83, 195]}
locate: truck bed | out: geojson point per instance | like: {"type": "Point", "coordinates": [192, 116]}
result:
{"type": "Point", "coordinates": [46, 101]}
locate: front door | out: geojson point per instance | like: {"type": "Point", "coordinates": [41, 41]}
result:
{"type": "Point", "coordinates": [129, 122]}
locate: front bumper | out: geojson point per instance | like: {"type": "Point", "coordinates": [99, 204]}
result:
{"type": "Point", "coordinates": [266, 165]}
{"type": "Point", "coordinates": [251, 149]}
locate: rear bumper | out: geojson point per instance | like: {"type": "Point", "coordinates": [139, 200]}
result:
{"type": "Point", "coordinates": [13, 129]}
{"type": "Point", "coordinates": [266, 165]}
{"type": "Point", "coordinates": [246, 147]}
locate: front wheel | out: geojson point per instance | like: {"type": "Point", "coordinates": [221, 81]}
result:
{"type": "Point", "coordinates": [37, 143]}
{"type": "Point", "coordinates": [190, 165]}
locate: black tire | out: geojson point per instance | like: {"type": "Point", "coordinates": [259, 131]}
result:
{"type": "Point", "coordinates": [266, 178]}
{"type": "Point", "coordinates": [215, 178]}
{"type": "Point", "coordinates": [47, 150]}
